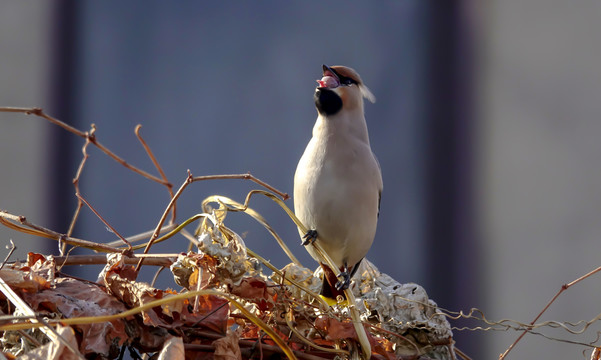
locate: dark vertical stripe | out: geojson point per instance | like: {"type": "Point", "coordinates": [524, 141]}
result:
{"type": "Point", "coordinates": [61, 157]}
{"type": "Point", "coordinates": [452, 248]}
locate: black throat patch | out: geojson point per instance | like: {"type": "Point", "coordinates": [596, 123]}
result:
{"type": "Point", "coordinates": [327, 102]}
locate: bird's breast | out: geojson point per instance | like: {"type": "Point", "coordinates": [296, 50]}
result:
{"type": "Point", "coordinates": [334, 193]}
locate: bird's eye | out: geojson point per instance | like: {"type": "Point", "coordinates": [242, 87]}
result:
{"type": "Point", "coordinates": [347, 81]}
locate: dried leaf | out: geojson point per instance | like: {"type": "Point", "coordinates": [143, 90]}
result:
{"type": "Point", "coordinates": [334, 329]}
{"type": "Point", "coordinates": [55, 351]}
{"type": "Point", "coordinates": [187, 267]}
{"type": "Point", "coordinates": [20, 280]}
{"type": "Point", "coordinates": [302, 276]}
{"type": "Point", "coordinates": [173, 349]}
{"type": "Point", "coordinates": [255, 290]}
{"type": "Point", "coordinates": [250, 331]}
{"type": "Point", "coordinates": [33, 258]}
{"type": "Point", "coordinates": [38, 274]}
{"type": "Point", "coordinates": [73, 298]}
{"type": "Point", "coordinates": [211, 311]}
{"type": "Point", "coordinates": [339, 330]}
{"type": "Point", "coordinates": [227, 347]}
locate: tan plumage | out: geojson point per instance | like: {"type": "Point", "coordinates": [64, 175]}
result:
{"type": "Point", "coordinates": [338, 182]}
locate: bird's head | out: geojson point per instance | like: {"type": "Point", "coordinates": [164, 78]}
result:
{"type": "Point", "coordinates": [340, 88]}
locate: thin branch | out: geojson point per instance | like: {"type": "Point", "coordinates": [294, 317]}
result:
{"type": "Point", "coordinates": [113, 230]}
{"type": "Point", "coordinates": [84, 150]}
{"type": "Point", "coordinates": [90, 137]}
{"type": "Point", "coordinates": [247, 176]}
{"type": "Point", "coordinates": [39, 112]}
{"type": "Point", "coordinates": [190, 179]}
{"type": "Point", "coordinates": [158, 167]}
{"type": "Point", "coordinates": [151, 259]}
{"type": "Point", "coordinates": [142, 236]}
{"type": "Point", "coordinates": [10, 252]}
{"type": "Point", "coordinates": [157, 230]}
{"type": "Point", "coordinates": [563, 288]}
{"type": "Point", "coordinates": [21, 224]}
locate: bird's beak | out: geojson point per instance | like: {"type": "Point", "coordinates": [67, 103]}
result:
{"type": "Point", "coordinates": [330, 79]}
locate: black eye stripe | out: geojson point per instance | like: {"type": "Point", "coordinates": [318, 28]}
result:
{"type": "Point", "coordinates": [346, 80]}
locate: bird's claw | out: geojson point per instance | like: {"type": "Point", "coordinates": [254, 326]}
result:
{"type": "Point", "coordinates": [309, 237]}
{"type": "Point", "coordinates": [345, 282]}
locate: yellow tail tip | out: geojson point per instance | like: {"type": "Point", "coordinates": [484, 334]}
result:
{"type": "Point", "coordinates": [332, 302]}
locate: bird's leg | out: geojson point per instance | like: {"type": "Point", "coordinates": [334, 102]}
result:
{"type": "Point", "coordinates": [310, 237]}
{"type": "Point", "coordinates": [345, 282]}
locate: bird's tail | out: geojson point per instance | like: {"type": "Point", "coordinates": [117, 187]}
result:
{"type": "Point", "coordinates": [328, 288]}
{"type": "Point", "coordinates": [329, 292]}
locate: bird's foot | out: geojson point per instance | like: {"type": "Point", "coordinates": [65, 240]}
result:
{"type": "Point", "coordinates": [310, 237]}
{"type": "Point", "coordinates": [344, 282]}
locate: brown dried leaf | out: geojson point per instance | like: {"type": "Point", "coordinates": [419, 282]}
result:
{"type": "Point", "coordinates": [38, 274]}
{"type": "Point", "coordinates": [338, 330]}
{"type": "Point", "coordinates": [250, 331]}
{"type": "Point", "coordinates": [334, 329]}
{"type": "Point", "coordinates": [55, 351]}
{"type": "Point", "coordinates": [23, 280]}
{"type": "Point", "coordinates": [33, 258]}
{"type": "Point", "coordinates": [147, 338]}
{"type": "Point", "coordinates": [212, 312]}
{"type": "Point", "coordinates": [73, 298]}
{"type": "Point", "coordinates": [186, 269]}
{"type": "Point", "coordinates": [255, 290]}
{"type": "Point", "coordinates": [227, 347]}
{"type": "Point", "coordinates": [172, 349]}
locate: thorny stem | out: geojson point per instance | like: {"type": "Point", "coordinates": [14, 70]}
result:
{"type": "Point", "coordinates": [563, 288]}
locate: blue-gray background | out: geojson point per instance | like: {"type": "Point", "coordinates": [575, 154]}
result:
{"type": "Point", "coordinates": [228, 88]}
{"type": "Point", "coordinates": [486, 126]}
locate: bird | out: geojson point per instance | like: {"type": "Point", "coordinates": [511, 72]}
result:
{"type": "Point", "coordinates": [338, 180]}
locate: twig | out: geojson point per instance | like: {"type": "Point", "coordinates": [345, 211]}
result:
{"type": "Point", "coordinates": [379, 329]}
{"type": "Point", "coordinates": [90, 137]}
{"type": "Point", "coordinates": [142, 236]}
{"type": "Point", "coordinates": [247, 176]}
{"type": "Point", "coordinates": [84, 150]}
{"type": "Point", "coordinates": [10, 252]}
{"type": "Point", "coordinates": [563, 288]}
{"type": "Point", "coordinates": [235, 206]}
{"type": "Point", "coordinates": [157, 230]}
{"type": "Point", "coordinates": [158, 167]}
{"type": "Point", "coordinates": [185, 233]}
{"type": "Point", "coordinates": [289, 316]}
{"type": "Point", "coordinates": [288, 278]}
{"type": "Point", "coordinates": [283, 195]}
{"type": "Point", "coordinates": [151, 259]}
{"type": "Point", "coordinates": [113, 230]}
{"type": "Point", "coordinates": [246, 349]}
{"type": "Point", "coordinates": [190, 179]}
{"type": "Point", "coordinates": [156, 275]}
{"type": "Point", "coordinates": [20, 304]}
{"type": "Point", "coordinates": [233, 300]}
{"type": "Point", "coordinates": [9, 220]}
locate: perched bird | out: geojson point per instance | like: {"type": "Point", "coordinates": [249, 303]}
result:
{"type": "Point", "coordinates": [338, 182]}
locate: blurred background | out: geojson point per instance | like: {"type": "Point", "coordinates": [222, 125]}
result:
{"type": "Point", "coordinates": [486, 126]}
